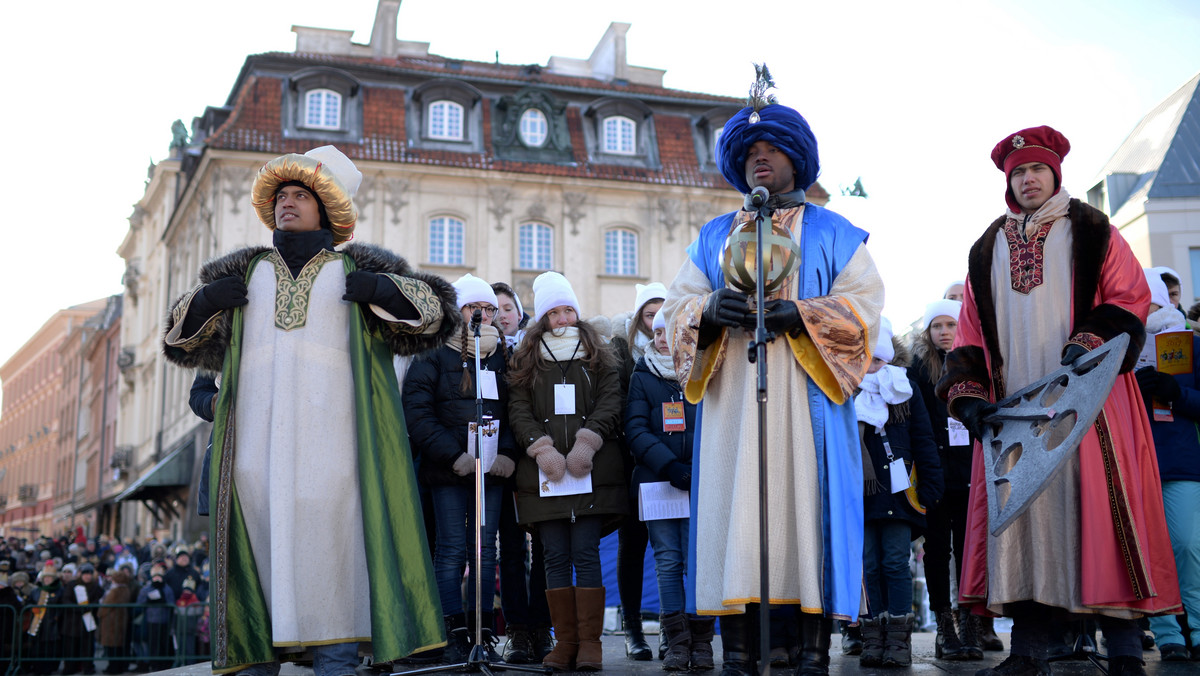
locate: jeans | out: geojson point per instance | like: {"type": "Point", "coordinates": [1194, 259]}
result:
{"type": "Point", "coordinates": [572, 545]}
{"type": "Point", "coordinates": [1180, 500]}
{"type": "Point", "coordinates": [522, 570]}
{"type": "Point", "coordinates": [335, 659]}
{"type": "Point", "coordinates": [670, 540]}
{"type": "Point", "coordinates": [945, 532]}
{"type": "Point", "coordinates": [454, 513]}
{"type": "Point", "coordinates": [885, 567]}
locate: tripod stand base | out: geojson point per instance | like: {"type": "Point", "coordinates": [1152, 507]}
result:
{"type": "Point", "coordinates": [477, 663]}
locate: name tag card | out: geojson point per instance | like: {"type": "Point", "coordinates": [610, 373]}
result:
{"type": "Point", "coordinates": [487, 384]}
{"type": "Point", "coordinates": [673, 417]}
{"type": "Point", "coordinates": [568, 485]}
{"type": "Point", "coordinates": [898, 475]}
{"type": "Point", "coordinates": [490, 443]}
{"type": "Point", "coordinates": [660, 500]}
{"type": "Point", "coordinates": [564, 399]}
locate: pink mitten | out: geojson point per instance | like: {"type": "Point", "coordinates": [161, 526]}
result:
{"type": "Point", "coordinates": [464, 465]}
{"type": "Point", "coordinates": [548, 458]}
{"type": "Point", "coordinates": [502, 467]}
{"type": "Point", "coordinates": [579, 460]}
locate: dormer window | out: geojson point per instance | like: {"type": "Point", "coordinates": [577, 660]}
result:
{"type": "Point", "coordinates": [446, 121]}
{"type": "Point", "coordinates": [620, 134]}
{"type": "Point", "coordinates": [445, 114]}
{"type": "Point", "coordinates": [322, 109]}
{"type": "Point", "coordinates": [707, 135]}
{"type": "Point", "coordinates": [621, 131]}
{"type": "Point", "coordinates": [534, 128]}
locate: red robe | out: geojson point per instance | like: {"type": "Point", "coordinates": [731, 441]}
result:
{"type": "Point", "coordinates": [1127, 568]}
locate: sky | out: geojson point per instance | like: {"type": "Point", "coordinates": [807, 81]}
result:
{"type": "Point", "coordinates": [909, 96]}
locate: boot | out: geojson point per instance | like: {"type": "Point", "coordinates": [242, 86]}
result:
{"type": "Point", "coordinates": [518, 649]}
{"type": "Point", "coordinates": [897, 641]}
{"type": "Point", "coordinates": [543, 643]}
{"type": "Point", "coordinates": [679, 641]}
{"type": "Point", "coordinates": [852, 641]}
{"type": "Point", "coordinates": [636, 646]}
{"type": "Point", "coordinates": [947, 645]}
{"type": "Point", "coordinates": [968, 626]}
{"type": "Point", "coordinates": [872, 636]}
{"type": "Point", "coordinates": [1019, 665]}
{"type": "Point", "coordinates": [737, 646]}
{"type": "Point", "coordinates": [589, 611]}
{"type": "Point", "coordinates": [815, 631]}
{"type": "Point", "coordinates": [566, 630]}
{"type": "Point", "coordinates": [785, 637]}
{"type": "Point", "coordinates": [458, 640]}
{"type": "Point", "coordinates": [988, 640]}
{"type": "Point", "coordinates": [700, 656]}
{"type": "Point", "coordinates": [1124, 665]}
{"type": "Point", "coordinates": [490, 640]}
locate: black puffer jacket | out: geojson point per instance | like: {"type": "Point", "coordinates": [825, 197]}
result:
{"type": "Point", "coordinates": [955, 460]}
{"type": "Point", "coordinates": [437, 413]}
{"type": "Point", "coordinates": [910, 438]}
{"type": "Point", "coordinates": [653, 449]}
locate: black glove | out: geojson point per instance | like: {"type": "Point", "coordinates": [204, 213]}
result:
{"type": "Point", "coordinates": [972, 411]}
{"type": "Point", "coordinates": [781, 316]}
{"type": "Point", "coordinates": [1166, 388]}
{"type": "Point", "coordinates": [222, 294]}
{"type": "Point", "coordinates": [1147, 379]}
{"type": "Point", "coordinates": [362, 287]}
{"type": "Point", "coordinates": [680, 475]}
{"type": "Point", "coordinates": [377, 289]}
{"type": "Point", "coordinates": [725, 307]}
{"type": "Point", "coordinates": [1072, 352]}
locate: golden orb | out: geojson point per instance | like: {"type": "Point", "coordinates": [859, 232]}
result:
{"type": "Point", "coordinates": [781, 256]}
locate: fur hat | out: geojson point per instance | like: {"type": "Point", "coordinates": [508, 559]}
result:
{"type": "Point", "coordinates": [327, 172]}
{"type": "Point", "coordinates": [48, 573]}
{"type": "Point", "coordinates": [551, 290]}
{"type": "Point", "coordinates": [18, 579]}
{"type": "Point", "coordinates": [1158, 288]}
{"type": "Point", "coordinates": [647, 293]}
{"type": "Point", "coordinates": [942, 308]}
{"type": "Point", "coordinates": [1035, 144]}
{"type": "Point", "coordinates": [883, 343]}
{"type": "Point", "coordinates": [471, 289]}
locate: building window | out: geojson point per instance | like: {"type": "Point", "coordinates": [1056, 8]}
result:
{"type": "Point", "coordinates": [534, 246]}
{"type": "Point", "coordinates": [446, 120]}
{"type": "Point", "coordinates": [619, 135]}
{"type": "Point", "coordinates": [620, 252]}
{"type": "Point", "coordinates": [446, 241]}
{"type": "Point", "coordinates": [323, 109]}
{"type": "Point", "coordinates": [533, 128]}
{"type": "Point", "coordinates": [1194, 261]}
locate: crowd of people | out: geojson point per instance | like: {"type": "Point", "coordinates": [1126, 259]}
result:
{"type": "Point", "coordinates": [73, 601]}
{"type": "Point", "coordinates": [361, 405]}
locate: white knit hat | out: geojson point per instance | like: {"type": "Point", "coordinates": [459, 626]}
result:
{"type": "Point", "coordinates": [472, 289]}
{"type": "Point", "coordinates": [942, 308]}
{"type": "Point", "coordinates": [1158, 288]}
{"type": "Point", "coordinates": [883, 344]}
{"type": "Point", "coordinates": [649, 292]}
{"type": "Point", "coordinates": [551, 290]}
{"type": "Point", "coordinates": [660, 321]}
{"type": "Point", "coordinates": [951, 285]}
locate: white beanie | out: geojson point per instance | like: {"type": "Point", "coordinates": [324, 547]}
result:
{"type": "Point", "coordinates": [1158, 288]}
{"type": "Point", "coordinates": [660, 321]}
{"type": "Point", "coordinates": [1164, 270]}
{"type": "Point", "coordinates": [551, 290]}
{"type": "Point", "coordinates": [951, 286]}
{"type": "Point", "coordinates": [471, 289]}
{"type": "Point", "coordinates": [649, 292]}
{"type": "Point", "coordinates": [942, 308]}
{"type": "Point", "coordinates": [883, 344]}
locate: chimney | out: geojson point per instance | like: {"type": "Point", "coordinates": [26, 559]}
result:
{"type": "Point", "coordinates": [383, 33]}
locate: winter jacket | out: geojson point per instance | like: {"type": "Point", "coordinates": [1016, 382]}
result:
{"type": "Point", "coordinates": [72, 620]}
{"type": "Point", "coordinates": [653, 449]}
{"type": "Point", "coordinates": [437, 414]}
{"type": "Point", "coordinates": [598, 408]}
{"type": "Point", "coordinates": [912, 440]}
{"type": "Point", "coordinates": [114, 621]}
{"type": "Point", "coordinates": [176, 575]}
{"type": "Point", "coordinates": [158, 611]}
{"type": "Point", "coordinates": [955, 460]}
{"type": "Point", "coordinates": [1177, 443]}
{"type": "Point", "coordinates": [49, 628]}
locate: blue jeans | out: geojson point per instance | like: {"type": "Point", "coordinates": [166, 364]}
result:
{"type": "Point", "coordinates": [885, 567]}
{"type": "Point", "coordinates": [1180, 500]}
{"type": "Point", "coordinates": [335, 659]}
{"type": "Point", "coordinates": [670, 540]}
{"type": "Point", "coordinates": [454, 515]}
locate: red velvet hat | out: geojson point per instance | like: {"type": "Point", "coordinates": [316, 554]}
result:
{"type": "Point", "coordinates": [1036, 144]}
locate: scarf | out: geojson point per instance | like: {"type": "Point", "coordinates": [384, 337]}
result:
{"type": "Point", "coordinates": [562, 345]}
{"type": "Point", "coordinates": [888, 385]}
{"type": "Point", "coordinates": [298, 248]}
{"type": "Point", "coordinates": [661, 365]}
{"type": "Point", "coordinates": [489, 338]}
{"type": "Point", "coordinates": [1054, 209]}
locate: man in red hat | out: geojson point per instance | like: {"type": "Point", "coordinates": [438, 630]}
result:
{"type": "Point", "coordinates": [1048, 281]}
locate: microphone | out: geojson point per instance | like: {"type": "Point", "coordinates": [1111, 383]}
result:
{"type": "Point", "coordinates": [476, 317]}
{"type": "Point", "coordinates": [757, 198]}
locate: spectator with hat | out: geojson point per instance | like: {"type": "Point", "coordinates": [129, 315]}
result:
{"type": "Point", "coordinates": [41, 621]}
{"type": "Point", "coordinates": [79, 625]}
{"type": "Point", "coordinates": [159, 600]}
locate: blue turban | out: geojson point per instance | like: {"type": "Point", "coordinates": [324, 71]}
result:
{"type": "Point", "coordinates": [778, 125]}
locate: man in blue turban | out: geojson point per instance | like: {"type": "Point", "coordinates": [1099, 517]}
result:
{"type": "Point", "coordinates": [823, 317]}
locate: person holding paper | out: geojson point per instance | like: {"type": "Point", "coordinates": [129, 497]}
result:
{"type": "Point", "coordinates": [79, 626]}
{"type": "Point", "coordinates": [565, 410]}
{"type": "Point", "coordinates": [660, 427]}
{"type": "Point", "coordinates": [1178, 452]}
{"type": "Point", "coordinates": [439, 407]}
{"type": "Point", "coordinates": [901, 477]}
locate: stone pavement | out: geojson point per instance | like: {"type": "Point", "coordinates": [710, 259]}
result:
{"type": "Point", "coordinates": [615, 662]}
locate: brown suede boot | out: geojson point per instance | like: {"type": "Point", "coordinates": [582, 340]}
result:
{"type": "Point", "coordinates": [566, 632]}
{"type": "Point", "coordinates": [589, 611]}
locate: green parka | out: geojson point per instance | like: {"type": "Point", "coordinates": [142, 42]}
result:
{"type": "Point", "coordinates": [598, 408]}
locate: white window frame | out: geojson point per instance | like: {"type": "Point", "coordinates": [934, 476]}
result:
{"type": "Point", "coordinates": [441, 122]}
{"type": "Point", "coordinates": [327, 112]}
{"type": "Point", "coordinates": [534, 128]}
{"type": "Point", "coordinates": [618, 135]}
{"type": "Point", "coordinates": [621, 252]}
{"type": "Point", "coordinates": [535, 246]}
{"type": "Point", "coordinates": [447, 236]}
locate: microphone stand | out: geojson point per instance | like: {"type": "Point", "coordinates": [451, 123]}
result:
{"type": "Point", "coordinates": [478, 661]}
{"type": "Point", "coordinates": [758, 356]}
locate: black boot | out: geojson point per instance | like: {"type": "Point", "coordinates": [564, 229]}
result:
{"type": "Point", "coordinates": [947, 645]}
{"type": "Point", "coordinates": [1124, 665]}
{"type": "Point", "coordinates": [815, 631]}
{"type": "Point", "coordinates": [897, 640]}
{"type": "Point", "coordinates": [490, 641]}
{"type": "Point", "coordinates": [968, 627]}
{"type": "Point", "coordinates": [679, 641]}
{"type": "Point", "coordinates": [852, 641]}
{"type": "Point", "coordinates": [785, 637]}
{"type": "Point", "coordinates": [700, 655]}
{"type": "Point", "coordinates": [636, 646]}
{"type": "Point", "coordinates": [988, 640]}
{"type": "Point", "coordinates": [1018, 665]}
{"type": "Point", "coordinates": [737, 645]}
{"type": "Point", "coordinates": [458, 640]}
{"type": "Point", "coordinates": [872, 635]}
{"type": "Point", "coordinates": [518, 649]}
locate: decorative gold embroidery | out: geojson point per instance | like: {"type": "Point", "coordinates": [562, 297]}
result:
{"type": "Point", "coordinates": [292, 295]}
{"type": "Point", "coordinates": [428, 304]}
{"type": "Point", "coordinates": [175, 337]}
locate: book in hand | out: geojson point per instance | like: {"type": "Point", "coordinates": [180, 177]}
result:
{"type": "Point", "coordinates": [567, 485]}
{"type": "Point", "coordinates": [1173, 356]}
{"type": "Point", "coordinates": [660, 500]}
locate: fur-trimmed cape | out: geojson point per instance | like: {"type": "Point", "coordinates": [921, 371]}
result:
{"type": "Point", "coordinates": [1090, 236]}
{"type": "Point", "coordinates": [367, 257]}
